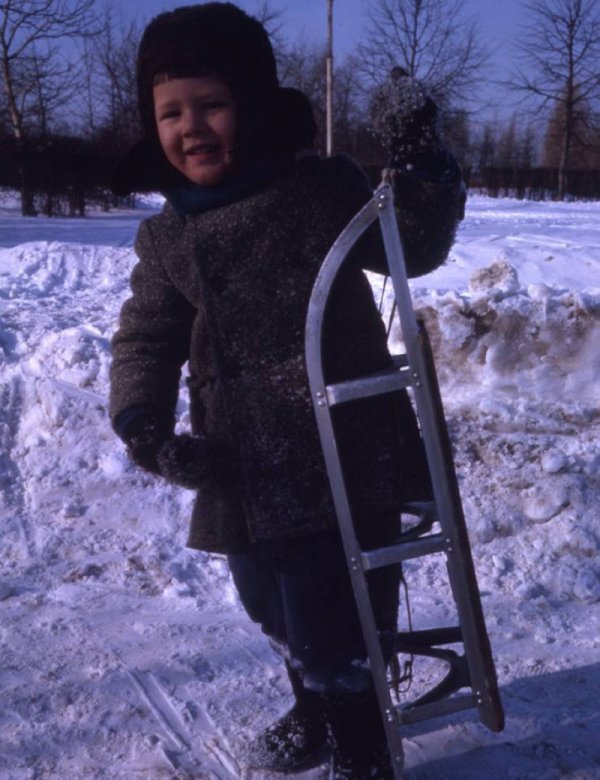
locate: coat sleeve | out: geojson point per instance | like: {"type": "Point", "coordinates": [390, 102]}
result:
{"type": "Point", "coordinates": [428, 210]}
{"type": "Point", "coordinates": [152, 341]}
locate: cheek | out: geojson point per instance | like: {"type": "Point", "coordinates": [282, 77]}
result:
{"type": "Point", "coordinates": [167, 138]}
{"type": "Point", "coordinates": [160, 132]}
{"type": "Point", "coordinates": [227, 127]}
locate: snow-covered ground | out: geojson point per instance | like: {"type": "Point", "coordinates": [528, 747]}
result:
{"type": "Point", "coordinates": [124, 655]}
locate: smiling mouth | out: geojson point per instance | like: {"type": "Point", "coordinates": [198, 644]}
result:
{"type": "Point", "coordinates": [201, 149]}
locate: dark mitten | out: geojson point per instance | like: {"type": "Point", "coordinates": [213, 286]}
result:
{"type": "Point", "coordinates": [406, 119]}
{"type": "Point", "coordinates": [189, 461]}
{"type": "Point", "coordinates": [144, 435]}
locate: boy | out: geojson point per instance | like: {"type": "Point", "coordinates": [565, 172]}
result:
{"type": "Point", "coordinates": [223, 281]}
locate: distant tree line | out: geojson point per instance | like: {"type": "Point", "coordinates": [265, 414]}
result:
{"type": "Point", "coordinates": [68, 97]}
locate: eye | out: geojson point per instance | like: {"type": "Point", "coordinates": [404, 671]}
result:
{"type": "Point", "coordinates": [167, 109]}
{"type": "Point", "coordinates": [170, 113]}
{"type": "Point", "coordinates": [215, 105]}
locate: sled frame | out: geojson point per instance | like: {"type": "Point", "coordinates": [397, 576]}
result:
{"type": "Point", "coordinates": [441, 526]}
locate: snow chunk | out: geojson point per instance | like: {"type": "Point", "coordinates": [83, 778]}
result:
{"type": "Point", "coordinates": [500, 275]}
{"type": "Point", "coordinates": [554, 461]}
{"type": "Point", "coordinates": [587, 586]}
{"type": "Point", "coordinates": [544, 501]}
{"type": "Point", "coordinates": [114, 464]}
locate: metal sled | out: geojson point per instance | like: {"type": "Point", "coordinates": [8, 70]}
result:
{"type": "Point", "coordinates": [440, 527]}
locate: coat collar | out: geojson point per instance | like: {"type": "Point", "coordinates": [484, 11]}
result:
{"type": "Point", "coordinates": [191, 199]}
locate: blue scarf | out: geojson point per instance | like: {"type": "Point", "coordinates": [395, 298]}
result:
{"type": "Point", "coordinates": [195, 199]}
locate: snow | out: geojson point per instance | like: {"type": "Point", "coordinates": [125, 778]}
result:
{"type": "Point", "coordinates": [123, 654]}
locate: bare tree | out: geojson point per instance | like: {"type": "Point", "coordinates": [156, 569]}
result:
{"type": "Point", "coordinates": [507, 145]}
{"type": "Point", "coordinates": [584, 137]}
{"type": "Point", "coordinates": [431, 40]}
{"type": "Point", "coordinates": [527, 147]}
{"type": "Point", "coordinates": [561, 49]}
{"type": "Point", "coordinates": [512, 144]}
{"type": "Point", "coordinates": [51, 85]}
{"type": "Point", "coordinates": [487, 147]}
{"type": "Point", "coordinates": [29, 32]}
{"type": "Point", "coordinates": [113, 60]}
{"type": "Point", "coordinates": [303, 66]}
{"type": "Point", "coordinates": [272, 21]}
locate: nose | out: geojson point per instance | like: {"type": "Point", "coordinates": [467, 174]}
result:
{"type": "Point", "coordinates": [194, 122]}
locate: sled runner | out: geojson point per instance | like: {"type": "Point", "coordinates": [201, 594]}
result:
{"type": "Point", "coordinates": [438, 526]}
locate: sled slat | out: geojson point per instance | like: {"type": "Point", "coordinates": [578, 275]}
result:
{"type": "Point", "coordinates": [376, 384]}
{"type": "Point", "coordinates": [436, 709]}
{"type": "Point", "coordinates": [384, 556]}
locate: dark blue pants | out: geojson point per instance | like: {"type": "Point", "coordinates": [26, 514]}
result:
{"type": "Point", "coordinates": [301, 595]}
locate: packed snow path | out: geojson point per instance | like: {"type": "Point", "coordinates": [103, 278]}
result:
{"type": "Point", "coordinates": [122, 654]}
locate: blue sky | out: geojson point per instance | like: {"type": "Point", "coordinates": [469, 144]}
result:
{"type": "Point", "coordinates": [498, 20]}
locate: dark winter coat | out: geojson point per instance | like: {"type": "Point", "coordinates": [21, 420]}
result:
{"type": "Point", "coordinates": [228, 290]}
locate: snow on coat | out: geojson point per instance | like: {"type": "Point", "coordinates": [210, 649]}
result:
{"type": "Point", "coordinates": [228, 290]}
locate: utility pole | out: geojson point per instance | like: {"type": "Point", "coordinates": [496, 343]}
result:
{"type": "Point", "coordinates": [329, 76]}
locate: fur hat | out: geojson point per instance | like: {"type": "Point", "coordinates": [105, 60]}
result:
{"type": "Point", "coordinates": [216, 39]}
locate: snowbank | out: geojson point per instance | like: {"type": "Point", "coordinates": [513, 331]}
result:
{"type": "Point", "coordinates": [123, 654]}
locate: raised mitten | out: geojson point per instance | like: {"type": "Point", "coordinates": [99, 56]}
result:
{"type": "Point", "coordinates": [406, 119]}
{"type": "Point", "coordinates": [189, 461]}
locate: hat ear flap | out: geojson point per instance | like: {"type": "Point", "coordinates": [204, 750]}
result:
{"type": "Point", "coordinates": [295, 119]}
{"type": "Point", "coordinates": [281, 125]}
{"type": "Point", "coordinates": [144, 168]}
{"type": "Point", "coordinates": [254, 133]}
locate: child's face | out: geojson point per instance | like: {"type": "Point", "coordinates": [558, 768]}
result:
{"type": "Point", "coordinates": [196, 122]}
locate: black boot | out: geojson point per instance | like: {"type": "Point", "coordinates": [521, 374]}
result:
{"type": "Point", "coordinates": [357, 738]}
{"type": "Point", "coordinates": [297, 739]}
